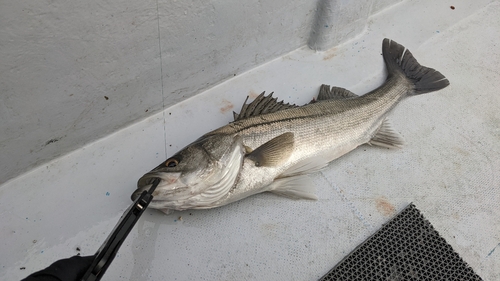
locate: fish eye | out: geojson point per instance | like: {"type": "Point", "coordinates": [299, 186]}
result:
{"type": "Point", "coordinates": [171, 163]}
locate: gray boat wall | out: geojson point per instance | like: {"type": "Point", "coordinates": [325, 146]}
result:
{"type": "Point", "coordinates": [75, 72]}
{"type": "Point", "coordinates": [94, 94]}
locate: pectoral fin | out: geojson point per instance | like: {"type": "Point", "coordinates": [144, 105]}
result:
{"type": "Point", "coordinates": [273, 152]}
{"type": "Point", "coordinates": [386, 137]}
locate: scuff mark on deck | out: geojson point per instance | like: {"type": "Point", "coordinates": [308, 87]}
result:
{"type": "Point", "coordinates": [226, 106]}
{"type": "Point", "coordinates": [353, 208]}
{"type": "Point", "coordinates": [492, 250]}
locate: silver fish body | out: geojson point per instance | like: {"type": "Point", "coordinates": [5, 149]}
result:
{"type": "Point", "coordinates": [273, 146]}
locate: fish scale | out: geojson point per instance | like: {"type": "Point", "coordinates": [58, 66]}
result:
{"type": "Point", "coordinates": [318, 130]}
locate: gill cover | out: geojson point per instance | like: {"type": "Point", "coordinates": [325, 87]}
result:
{"type": "Point", "coordinates": [197, 176]}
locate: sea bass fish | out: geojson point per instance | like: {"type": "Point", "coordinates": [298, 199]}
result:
{"type": "Point", "coordinates": [273, 146]}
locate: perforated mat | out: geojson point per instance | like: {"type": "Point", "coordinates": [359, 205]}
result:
{"type": "Point", "coordinates": [406, 248]}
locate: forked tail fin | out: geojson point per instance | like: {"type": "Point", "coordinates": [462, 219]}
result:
{"type": "Point", "coordinates": [399, 59]}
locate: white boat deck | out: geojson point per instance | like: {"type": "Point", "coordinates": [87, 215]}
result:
{"type": "Point", "coordinates": [449, 167]}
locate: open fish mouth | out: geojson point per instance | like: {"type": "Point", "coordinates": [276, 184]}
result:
{"type": "Point", "coordinates": [146, 186]}
{"type": "Point", "coordinates": [166, 178]}
{"type": "Point", "coordinates": [146, 180]}
{"type": "Point", "coordinates": [169, 184]}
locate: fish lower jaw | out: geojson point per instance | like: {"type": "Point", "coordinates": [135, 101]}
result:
{"type": "Point", "coordinates": [181, 204]}
{"type": "Point", "coordinates": [162, 204]}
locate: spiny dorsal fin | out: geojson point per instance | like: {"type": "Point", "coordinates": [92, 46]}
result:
{"type": "Point", "coordinates": [242, 111]}
{"type": "Point", "coordinates": [273, 152]}
{"type": "Point", "coordinates": [386, 137]}
{"type": "Point", "coordinates": [327, 93]}
{"type": "Point", "coordinates": [261, 105]}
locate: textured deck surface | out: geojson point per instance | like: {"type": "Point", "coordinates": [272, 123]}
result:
{"type": "Point", "coordinates": [405, 248]}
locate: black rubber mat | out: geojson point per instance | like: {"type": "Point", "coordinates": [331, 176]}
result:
{"type": "Point", "coordinates": [405, 248]}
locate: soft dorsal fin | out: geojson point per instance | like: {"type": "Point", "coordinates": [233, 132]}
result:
{"type": "Point", "coordinates": [273, 152]}
{"type": "Point", "coordinates": [386, 137]}
{"type": "Point", "coordinates": [261, 105]}
{"type": "Point", "coordinates": [327, 93]}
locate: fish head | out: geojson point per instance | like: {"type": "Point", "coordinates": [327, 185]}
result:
{"type": "Point", "coordinates": [197, 176]}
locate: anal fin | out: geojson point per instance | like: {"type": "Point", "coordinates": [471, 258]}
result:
{"type": "Point", "coordinates": [385, 136]}
{"type": "Point", "coordinates": [296, 187]}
